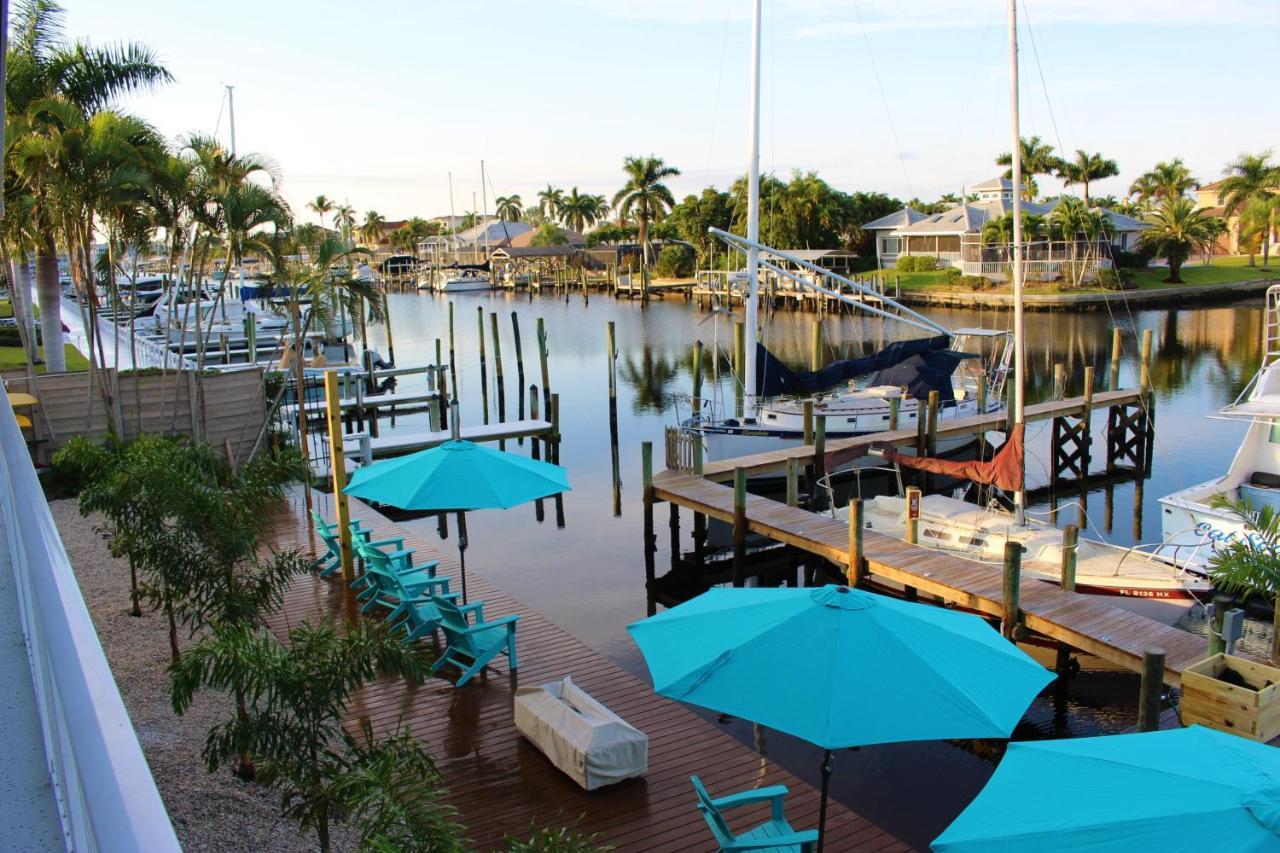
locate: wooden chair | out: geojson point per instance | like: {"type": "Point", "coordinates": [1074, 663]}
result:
{"type": "Point", "coordinates": [774, 836]}
{"type": "Point", "coordinates": [471, 646]}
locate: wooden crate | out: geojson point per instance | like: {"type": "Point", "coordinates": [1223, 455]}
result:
{"type": "Point", "coordinates": [1252, 711]}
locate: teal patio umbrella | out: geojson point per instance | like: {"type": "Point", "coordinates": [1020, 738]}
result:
{"type": "Point", "coordinates": [455, 477]}
{"type": "Point", "coordinates": [1183, 789]}
{"type": "Point", "coordinates": [839, 667]}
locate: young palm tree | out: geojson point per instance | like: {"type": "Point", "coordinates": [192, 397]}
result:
{"type": "Point", "coordinates": [580, 211]}
{"type": "Point", "coordinates": [320, 205]}
{"type": "Point", "coordinates": [344, 216]}
{"type": "Point", "coordinates": [1086, 168]}
{"type": "Point", "coordinates": [1251, 180]}
{"type": "Point", "coordinates": [1037, 159]}
{"type": "Point", "coordinates": [1175, 230]}
{"type": "Point", "coordinates": [509, 208]}
{"type": "Point", "coordinates": [646, 199]}
{"type": "Point", "coordinates": [371, 229]}
{"type": "Point", "coordinates": [1168, 179]}
{"type": "Point", "coordinates": [1250, 565]}
{"type": "Point", "coordinates": [549, 201]}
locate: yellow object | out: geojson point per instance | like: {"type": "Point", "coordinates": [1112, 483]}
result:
{"type": "Point", "coordinates": [23, 421]}
{"type": "Point", "coordinates": [17, 398]}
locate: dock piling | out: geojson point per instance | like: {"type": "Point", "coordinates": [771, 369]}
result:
{"type": "Point", "coordinates": [739, 527]}
{"type": "Point", "coordinates": [515, 334]}
{"type": "Point", "coordinates": [857, 568]}
{"type": "Point", "coordinates": [453, 357]}
{"type": "Point", "coordinates": [818, 498]}
{"type": "Point", "coordinates": [1011, 589]}
{"type": "Point", "coordinates": [1151, 690]}
{"type": "Point", "coordinates": [895, 410]}
{"type": "Point", "coordinates": [739, 365]}
{"type": "Point", "coordinates": [650, 543]}
{"type": "Point", "coordinates": [1117, 341]}
{"type": "Point", "coordinates": [338, 472]}
{"type": "Point", "coordinates": [793, 482]}
{"type": "Point", "coordinates": [1070, 538]}
{"type": "Point", "coordinates": [541, 331]}
{"type": "Point", "coordinates": [931, 436]}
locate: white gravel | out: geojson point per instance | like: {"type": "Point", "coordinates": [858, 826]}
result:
{"type": "Point", "coordinates": [210, 811]}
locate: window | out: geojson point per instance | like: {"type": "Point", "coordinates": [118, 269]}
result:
{"type": "Point", "coordinates": [1275, 432]}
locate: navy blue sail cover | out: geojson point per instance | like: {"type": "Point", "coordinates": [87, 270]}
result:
{"type": "Point", "coordinates": [921, 365]}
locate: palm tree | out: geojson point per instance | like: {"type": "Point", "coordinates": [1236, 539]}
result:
{"type": "Point", "coordinates": [1175, 230]}
{"type": "Point", "coordinates": [1037, 159]}
{"type": "Point", "coordinates": [345, 218]}
{"type": "Point", "coordinates": [1252, 180]}
{"type": "Point", "coordinates": [371, 229]}
{"type": "Point", "coordinates": [320, 205]}
{"type": "Point", "coordinates": [1168, 179]}
{"type": "Point", "coordinates": [1250, 565]}
{"type": "Point", "coordinates": [581, 211]}
{"type": "Point", "coordinates": [549, 201]}
{"type": "Point", "coordinates": [41, 64]}
{"type": "Point", "coordinates": [509, 208]}
{"type": "Point", "coordinates": [1086, 168]}
{"type": "Point", "coordinates": [645, 199]}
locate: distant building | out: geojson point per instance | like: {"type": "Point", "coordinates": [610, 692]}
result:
{"type": "Point", "coordinates": [526, 239]}
{"type": "Point", "coordinates": [1209, 200]}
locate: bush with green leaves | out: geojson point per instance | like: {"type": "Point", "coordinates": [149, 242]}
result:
{"type": "Point", "coordinates": [676, 260]}
{"type": "Point", "coordinates": [558, 839]}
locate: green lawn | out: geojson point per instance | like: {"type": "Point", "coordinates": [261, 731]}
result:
{"type": "Point", "coordinates": [6, 309]}
{"type": "Point", "coordinates": [913, 280]}
{"type": "Point", "coordinates": [1221, 271]}
{"type": "Point", "coordinates": [11, 358]}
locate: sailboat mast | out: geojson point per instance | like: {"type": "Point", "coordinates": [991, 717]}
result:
{"type": "Point", "coordinates": [453, 220]}
{"type": "Point", "coordinates": [484, 211]}
{"type": "Point", "coordinates": [231, 113]}
{"type": "Point", "coordinates": [753, 213]}
{"type": "Point", "coordinates": [1019, 342]}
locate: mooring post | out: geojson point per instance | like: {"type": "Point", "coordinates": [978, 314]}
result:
{"type": "Point", "coordinates": [542, 363]}
{"type": "Point", "coordinates": [650, 542]}
{"type": "Point", "coordinates": [534, 449]}
{"type": "Point", "coordinates": [555, 428]}
{"type": "Point", "coordinates": [1151, 692]}
{"type": "Point", "coordinates": [611, 356]}
{"type": "Point", "coordinates": [806, 410]}
{"type": "Point", "coordinates": [1117, 341]}
{"type": "Point", "coordinates": [793, 482]}
{"type": "Point", "coordinates": [895, 410]}
{"type": "Point", "coordinates": [515, 335]}
{"type": "Point", "coordinates": [484, 375]}
{"type": "Point", "coordinates": [453, 357]}
{"type": "Point", "coordinates": [1011, 588]}
{"type": "Point", "coordinates": [338, 473]}
{"type": "Point", "coordinates": [931, 437]}
{"type": "Point", "coordinates": [674, 524]}
{"type": "Point", "coordinates": [1221, 604]}
{"type": "Point", "coordinates": [857, 567]}
{"type": "Point", "coordinates": [1145, 376]}
{"type": "Point", "coordinates": [497, 350]}
{"type": "Point", "coordinates": [922, 427]}
{"type": "Point", "coordinates": [815, 346]}
{"type": "Point", "coordinates": [911, 532]}
{"type": "Point", "coordinates": [739, 526]}
{"type": "Point", "coordinates": [739, 365]}
{"type": "Point", "coordinates": [1070, 538]}
{"type": "Point", "coordinates": [982, 397]}
{"type": "Point", "coordinates": [442, 391]}
{"type": "Point", "coordinates": [1086, 429]}
{"type": "Point", "coordinates": [819, 461]}
{"type": "Point", "coordinates": [1059, 381]}
{"type": "Point", "coordinates": [696, 403]}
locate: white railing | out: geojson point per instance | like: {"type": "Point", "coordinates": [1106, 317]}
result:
{"type": "Point", "coordinates": [107, 798]}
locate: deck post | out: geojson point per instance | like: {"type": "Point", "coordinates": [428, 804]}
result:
{"type": "Point", "coordinates": [1152, 689]}
{"type": "Point", "coordinates": [1221, 604]}
{"type": "Point", "coordinates": [819, 461]}
{"type": "Point", "coordinates": [338, 472]}
{"type": "Point", "coordinates": [793, 482]}
{"type": "Point", "coordinates": [650, 543]}
{"type": "Point", "coordinates": [857, 568]}
{"type": "Point", "coordinates": [895, 410]}
{"type": "Point", "coordinates": [1011, 588]}
{"type": "Point", "coordinates": [911, 526]}
{"type": "Point", "coordinates": [739, 526]}
{"type": "Point", "coordinates": [1117, 340]}
{"type": "Point", "coordinates": [1070, 538]}
{"type": "Point", "coordinates": [931, 437]}
{"type": "Point", "coordinates": [739, 365]}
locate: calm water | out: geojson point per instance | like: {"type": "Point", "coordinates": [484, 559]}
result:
{"type": "Point", "coordinates": [587, 574]}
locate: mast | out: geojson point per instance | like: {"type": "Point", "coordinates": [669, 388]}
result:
{"type": "Point", "coordinates": [484, 211]}
{"type": "Point", "coordinates": [231, 113]}
{"type": "Point", "coordinates": [1019, 343]}
{"type": "Point", "coordinates": [453, 220]}
{"type": "Point", "coordinates": [753, 213]}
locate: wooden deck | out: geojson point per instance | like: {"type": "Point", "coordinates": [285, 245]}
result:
{"type": "Point", "coordinates": [499, 782]}
{"type": "Point", "coordinates": [1083, 622]}
{"type": "Point", "coordinates": [842, 450]}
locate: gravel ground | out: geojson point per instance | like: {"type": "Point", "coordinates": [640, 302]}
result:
{"type": "Point", "coordinates": [210, 811]}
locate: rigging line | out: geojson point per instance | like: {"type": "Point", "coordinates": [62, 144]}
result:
{"type": "Point", "coordinates": [1044, 87]}
{"type": "Point", "coordinates": [875, 71]}
{"type": "Point", "coordinates": [222, 105]}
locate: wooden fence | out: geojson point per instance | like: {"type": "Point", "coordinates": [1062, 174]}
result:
{"type": "Point", "coordinates": [234, 409]}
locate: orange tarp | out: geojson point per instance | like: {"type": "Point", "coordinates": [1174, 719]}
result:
{"type": "Point", "coordinates": [1003, 470]}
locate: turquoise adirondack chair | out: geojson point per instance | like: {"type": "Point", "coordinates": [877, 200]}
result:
{"type": "Point", "coordinates": [393, 585]}
{"type": "Point", "coordinates": [773, 836]}
{"type": "Point", "coordinates": [332, 560]}
{"type": "Point", "coordinates": [422, 614]}
{"type": "Point", "coordinates": [471, 646]}
{"type": "Point", "coordinates": [390, 552]}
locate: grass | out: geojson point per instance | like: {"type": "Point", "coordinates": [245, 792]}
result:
{"type": "Point", "coordinates": [11, 358]}
{"type": "Point", "coordinates": [913, 280]}
{"type": "Point", "coordinates": [6, 309]}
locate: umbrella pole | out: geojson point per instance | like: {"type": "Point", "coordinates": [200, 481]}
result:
{"type": "Point", "coordinates": [822, 809]}
{"type": "Point", "coordinates": [462, 551]}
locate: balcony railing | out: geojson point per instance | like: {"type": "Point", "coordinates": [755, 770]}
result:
{"type": "Point", "coordinates": [107, 799]}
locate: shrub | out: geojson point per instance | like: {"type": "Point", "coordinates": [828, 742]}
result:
{"type": "Point", "coordinates": [675, 261]}
{"type": "Point", "coordinates": [1131, 260]}
{"type": "Point", "coordinates": [976, 282]}
{"type": "Point", "coordinates": [906, 264]}
{"type": "Point", "coordinates": [1117, 279]}
{"type": "Point", "coordinates": [924, 263]}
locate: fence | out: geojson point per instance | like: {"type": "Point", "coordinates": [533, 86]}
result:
{"type": "Point", "coordinates": [107, 798]}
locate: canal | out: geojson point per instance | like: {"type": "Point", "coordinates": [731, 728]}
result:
{"type": "Point", "coordinates": [583, 567]}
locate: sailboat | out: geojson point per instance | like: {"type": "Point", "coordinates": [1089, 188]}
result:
{"type": "Point", "coordinates": [1145, 581]}
{"type": "Point", "coordinates": [460, 277]}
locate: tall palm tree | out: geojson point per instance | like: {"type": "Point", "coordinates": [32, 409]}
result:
{"type": "Point", "coordinates": [1252, 180]}
{"type": "Point", "coordinates": [1037, 159]}
{"type": "Point", "coordinates": [580, 211]}
{"type": "Point", "coordinates": [509, 208]}
{"type": "Point", "coordinates": [549, 201]}
{"type": "Point", "coordinates": [371, 228]}
{"type": "Point", "coordinates": [1086, 168]}
{"type": "Point", "coordinates": [1175, 230]}
{"type": "Point", "coordinates": [645, 199]}
{"type": "Point", "coordinates": [320, 205]}
{"type": "Point", "coordinates": [1167, 179]}
{"type": "Point", "coordinates": [41, 64]}
{"type": "Point", "coordinates": [344, 216]}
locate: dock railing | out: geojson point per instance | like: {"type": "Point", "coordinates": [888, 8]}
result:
{"type": "Point", "coordinates": [107, 798]}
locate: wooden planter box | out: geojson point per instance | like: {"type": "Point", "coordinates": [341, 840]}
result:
{"type": "Point", "coordinates": [1252, 711]}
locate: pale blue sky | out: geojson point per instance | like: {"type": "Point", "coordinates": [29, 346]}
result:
{"type": "Point", "coordinates": [376, 102]}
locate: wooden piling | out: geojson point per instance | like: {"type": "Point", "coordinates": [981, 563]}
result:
{"type": "Point", "coordinates": [497, 350]}
{"type": "Point", "coordinates": [541, 331]}
{"type": "Point", "coordinates": [793, 482]}
{"type": "Point", "coordinates": [453, 357]}
{"type": "Point", "coordinates": [697, 378]}
{"type": "Point", "coordinates": [611, 358]}
{"type": "Point", "coordinates": [338, 472]}
{"type": "Point", "coordinates": [534, 446]}
{"type": "Point", "coordinates": [391, 344]}
{"type": "Point", "coordinates": [922, 427]}
{"type": "Point", "coordinates": [1059, 381]}
{"type": "Point", "coordinates": [515, 334]}
{"type": "Point", "coordinates": [931, 437]}
{"type": "Point", "coordinates": [895, 410]}
{"type": "Point", "coordinates": [673, 524]}
{"type": "Point", "coordinates": [442, 391]}
{"type": "Point", "coordinates": [1117, 341]}
{"type": "Point", "coordinates": [739, 527]}
{"type": "Point", "coordinates": [1151, 691]}
{"type": "Point", "coordinates": [982, 397]}
{"type": "Point", "coordinates": [857, 567]}
{"type": "Point", "coordinates": [1145, 375]}
{"type": "Point", "coordinates": [1011, 588]}
{"type": "Point", "coordinates": [650, 543]}
{"type": "Point", "coordinates": [739, 367]}
{"type": "Point", "coordinates": [911, 526]}
{"type": "Point", "coordinates": [815, 346]}
{"type": "Point", "coordinates": [819, 461]}
{"type": "Point", "coordinates": [1070, 539]}
{"type": "Point", "coordinates": [554, 450]}
{"type": "Point", "coordinates": [806, 409]}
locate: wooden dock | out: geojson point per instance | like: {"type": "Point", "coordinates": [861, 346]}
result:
{"type": "Point", "coordinates": [499, 782]}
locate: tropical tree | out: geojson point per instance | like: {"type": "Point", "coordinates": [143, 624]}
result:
{"type": "Point", "coordinates": [344, 216]}
{"type": "Point", "coordinates": [580, 211]}
{"type": "Point", "coordinates": [1256, 224]}
{"type": "Point", "coordinates": [1086, 168]}
{"type": "Point", "coordinates": [549, 235]}
{"type": "Point", "coordinates": [42, 65]}
{"type": "Point", "coordinates": [1167, 179]}
{"type": "Point", "coordinates": [1038, 158]}
{"type": "Point", "coordinates": [691, 218]}
{"type": "Point", "coordinates": [646, 199]}
{"type": "Point", "coordinates": [1249, 192]}
{"type": "Point", "coordinates": [509, 208]}
{"type": "Point", "coordinates": [299, 693]}
{"type": "Point", "coordinates": [1250, 564]}
{"type": "Point", "coordinates": [549, 201]}
{"type": "Point", "coordinates": [371, 228]}
{"type": "Point", "coordinates": [1175, 230]}
{"type": "Point", "coordinates": [321, 205]}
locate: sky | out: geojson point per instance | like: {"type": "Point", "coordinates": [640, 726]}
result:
{"type": "Point", "coordinates": [376, 103]}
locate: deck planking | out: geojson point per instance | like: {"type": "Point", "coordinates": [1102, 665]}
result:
{"type": "Point", "coordinates": [498, 781]}
{"type": "Point", "coordinates": [1084, 622]}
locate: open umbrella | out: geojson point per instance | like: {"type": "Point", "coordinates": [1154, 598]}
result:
{"type": "Point", "coordinates": [839, 667]}
{"type": "Point", "coordinates": [1184, 789]}
{"type": "Point", "coordinates": [458, 476]}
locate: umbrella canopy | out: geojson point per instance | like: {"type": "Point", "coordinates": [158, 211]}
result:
{"type": "Point", "coordinates": [458, 475]}
{"type": "Point", "coordinates": [840, 667]}
{"type": "Point", "coordinates": [1184, 789]}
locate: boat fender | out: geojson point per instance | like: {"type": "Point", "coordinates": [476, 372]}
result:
{"type": "Point", "coordinates": [731, 422]}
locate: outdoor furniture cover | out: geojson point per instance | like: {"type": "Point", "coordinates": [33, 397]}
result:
{"type": "Point", "coordinates": [583, 738]}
